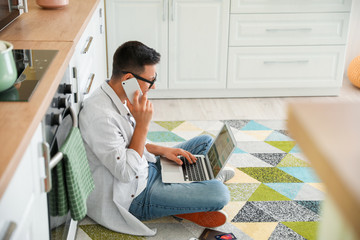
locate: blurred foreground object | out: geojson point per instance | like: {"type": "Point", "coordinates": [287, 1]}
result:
{"type": "Point", "coordinates": [354, 72]}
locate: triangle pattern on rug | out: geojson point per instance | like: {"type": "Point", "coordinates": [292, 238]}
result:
{"type": "Point", "coordinates": [306, 229]}
{"type": "Point", "coordinates": [164, 137]}
{"type": "Point", "coordinates": [270, 158]}
{"type": "Point", "coordinates": [289, 190]}
{"type": "Point", "coordinates": [277, 136]}
{"type": "Point", "coordinates": [285, 146]}
{"type": "Point", "coordinates": [312, 205]}
{"type": "Point", "coordinates": [257, 230]}
{"type": "Point", "coordinates": [283, 232]}
{"type": "Point", "coordinates": [251, 213]}
{"type": "Point", "coordinates": [252, 125]}
{"type": "Point", "coordinates": [265, 193]}
{"type": "Point", "coordinates": [169, 125]}
{"type": "Point", "coordinates": [241, 191]}
{"type": "Point", "coordinates": [269, 175]}
{"type": "Point", "coordinates": [291, 161]}
{"type": "Point", "coordinates": [237, 124]}
{"type": "Point", "coordinates": [259, 135]}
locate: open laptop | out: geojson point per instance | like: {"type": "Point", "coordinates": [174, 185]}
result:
{"type": "Point", "coordinates": [206, 167]}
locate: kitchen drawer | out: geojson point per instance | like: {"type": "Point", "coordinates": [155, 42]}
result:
{"type": "Point", "coordinates": [288, 29]}
{"type": "Point", "coordinates": [286, 6]}
{"type": "Point", "coordinates": [285, 67]}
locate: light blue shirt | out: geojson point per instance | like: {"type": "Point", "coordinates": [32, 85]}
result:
{"type": "Point", "coordinates": [119, 173]}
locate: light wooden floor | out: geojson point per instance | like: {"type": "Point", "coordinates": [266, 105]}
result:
{"type": "Point", "coordinates": [239, 108]}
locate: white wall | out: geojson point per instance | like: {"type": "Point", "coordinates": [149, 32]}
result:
{"type": "Point", "coordinates": [353, 49]}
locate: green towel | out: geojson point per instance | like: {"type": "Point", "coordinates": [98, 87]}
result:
{"type": "Point", "coordinates": [72, 179]}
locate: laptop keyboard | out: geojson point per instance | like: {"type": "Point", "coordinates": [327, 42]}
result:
{"type": "Point", "coordinates": [193, 172]}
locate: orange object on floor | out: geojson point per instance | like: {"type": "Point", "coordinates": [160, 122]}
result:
{"type": "Point", "coordinates": [354, 72]}
{"type": "Point", "coordinates": [206, 219]}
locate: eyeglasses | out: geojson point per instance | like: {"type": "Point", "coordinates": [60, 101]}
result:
{"type": "Point", "coordinates": [142, 79]}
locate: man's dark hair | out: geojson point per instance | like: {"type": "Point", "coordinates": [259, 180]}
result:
{"type": "Point", "coordinates": [132, 56]}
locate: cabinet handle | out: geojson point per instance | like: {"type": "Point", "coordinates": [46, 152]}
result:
{"type": "Point", "coordinates": [172, 10]}
{"type": "Point", "coordinates": [86, 49]}
{"type": "Point", "coordinates": [287, 62]}
{"type": "Point", "coordinates": [289, 29]}
{"type": "Point", "coordinates": [46, 155]}
{"type": "Point", "coordinates": [164, 10]}
{"type": "Point", "coordinates": [90, 81]}
{"type": "Point", "coordinates": [9, 231]}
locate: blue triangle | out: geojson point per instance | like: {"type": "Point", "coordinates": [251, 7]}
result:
{"type": "Point", "coordinates": [238, 150]}
{"type": "Point", "coordinates": [276, 136]}
{"type": "Point", "coordinates": [289, 190]}
{"type": "Point", "coordinates": [252, 125]}
{"type": "Point", "coordinates": [295, 149]}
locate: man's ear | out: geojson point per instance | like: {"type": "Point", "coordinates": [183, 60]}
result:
{"type": "Point", "coordinates": [127, 76]}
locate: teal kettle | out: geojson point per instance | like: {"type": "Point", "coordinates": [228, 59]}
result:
{"type": "Point", "coordinates": [8, 73]}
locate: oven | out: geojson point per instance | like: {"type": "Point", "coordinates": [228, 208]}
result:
{"type": "Point", "coordinates": [60, 117]}
{"type": "Point", "coordinates": [10, 10]}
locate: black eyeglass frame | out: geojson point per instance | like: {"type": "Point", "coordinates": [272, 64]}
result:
{"type": "Point", "coordinates": [142, 79]}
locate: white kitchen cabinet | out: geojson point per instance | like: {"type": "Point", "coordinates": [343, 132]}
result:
{"type": "Point", "coordinates": [279, 48]}
{"type": "Point", "coordinates": [88, 64]}
{"type": "Point", "coordinates": [198, 31]}
{"type": "Point", "coordinates": [237, 48]}
{"type": "Point", "coordinates": [23, 207]}
{"type": "Point", "coordinates": [145, 21]}
{"type": "Point", "coordinates": [191, 36]}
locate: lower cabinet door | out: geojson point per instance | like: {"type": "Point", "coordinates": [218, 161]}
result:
{"type": "Point", "coordinates": [23, 206]}
{"type": "Point", "coordinates": [285, 67]}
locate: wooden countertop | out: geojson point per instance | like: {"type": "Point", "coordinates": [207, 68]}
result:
{"type": "Point", "coordinates": [329, 135]}
{"type": "Point", "coordinates": [59, 30]}
{"type": "Point", "coordinates": [65, 24]}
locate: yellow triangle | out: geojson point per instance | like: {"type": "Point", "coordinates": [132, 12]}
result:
{"type": "Point", "coordinates": [258, 231]}
{"type": "Point", "coordinates": [232, 208]}
{"type": "Point", "coordinates": [241, 177]}
{"type": "Point", "coordinates": [260, 134]}
{"type": "Point", "coordinates": [318, 186]}
{"type": "Point", "coordinates": [186, 126]}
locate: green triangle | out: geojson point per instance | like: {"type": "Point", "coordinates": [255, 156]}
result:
{"type": "Point", "coordinates": [306, 229]}
{"type": "Point", "coordinates": [169, 125]}
{"type": "Point", "coordinates": [291, 161]}
{"type": "Point", "coordinates": [269, 175]}
{"type": "Point", "coordinates": [285, 146]}
{"type": "Point", "coordinates": [98, 232]}
{"type": "Point", "coordinates": [265, 193]}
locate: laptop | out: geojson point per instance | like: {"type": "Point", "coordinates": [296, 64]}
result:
{"type": "Point", "coordinates": [206, 167]}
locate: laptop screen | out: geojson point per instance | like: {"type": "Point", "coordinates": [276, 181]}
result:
{"type": "Point", "coordinates": [221, 149]}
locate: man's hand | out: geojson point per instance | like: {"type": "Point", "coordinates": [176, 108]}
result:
{"type": "Point", "coordinates": [173, 153]}
{"type": "Point", "coordinates": [141, 109]}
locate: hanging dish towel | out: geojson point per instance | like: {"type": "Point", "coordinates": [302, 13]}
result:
{"type": "Point", "coordinates": [72, 179]}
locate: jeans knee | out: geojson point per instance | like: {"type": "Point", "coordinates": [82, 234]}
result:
{"type": "Point", "coordinates": [222, 194]}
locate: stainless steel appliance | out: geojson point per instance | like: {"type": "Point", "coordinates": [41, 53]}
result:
{"type": "Point", "coordinates": [10, 10]}
{"type": "Point", "coordinates": [31, 65]}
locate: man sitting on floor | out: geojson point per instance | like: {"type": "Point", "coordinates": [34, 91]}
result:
{"type": "Point", "coordinates": [127, 175]}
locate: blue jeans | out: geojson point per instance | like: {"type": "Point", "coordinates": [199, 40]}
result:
{"type": "Point", "coordinates": [164, 199]}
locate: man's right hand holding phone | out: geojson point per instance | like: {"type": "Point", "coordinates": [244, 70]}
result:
{"type": "Point", "coordinates": [142, 110]}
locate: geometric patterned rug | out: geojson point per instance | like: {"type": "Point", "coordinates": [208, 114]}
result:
{"type": "Point", "coordinates": [275, 193]}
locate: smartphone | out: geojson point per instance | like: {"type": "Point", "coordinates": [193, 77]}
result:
{"type": "Point", "coordinates": [130, 86]}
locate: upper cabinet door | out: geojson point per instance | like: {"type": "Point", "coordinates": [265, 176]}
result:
{"type": "Point", "coordinates": [198, 38]}
{"type": "Point", "coordinates": [140, 20]}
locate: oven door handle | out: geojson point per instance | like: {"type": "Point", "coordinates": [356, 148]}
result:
{"type": "Point", "coordinates": [51, 163]}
